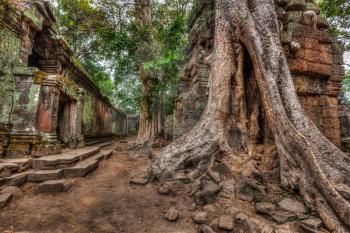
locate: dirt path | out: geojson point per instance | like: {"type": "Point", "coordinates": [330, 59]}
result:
{"type": "Point", "coordinates": [104, 201]}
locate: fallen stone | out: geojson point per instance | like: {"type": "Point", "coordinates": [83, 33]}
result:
{"type": "Point", "coordinates": [199, 217]}
{"type": "Point", "coordinates": [171, 214]}
{"type": "Point", "coordinates": [282, 217]}
{"type": "Point", "coordinates": [248, 189]}
{"type": "Point", "coordinates": [193, 207]}
{"type": "Point", "coordinates": [222, 169]}
{"type": "Point", "coordinates": [138, 181]}
{"type": "Point", "coordinates": [45, 175]}
{"type": "Point", "coordinates": [4, 199]}
{"type": "Point", "coordinates": [53, 186]}
{"type": "Point", "coordinates": [171, 187]}
{"type": "Point", "coordinates": [243, 223]}
{"type": "Point", "coordinates": [209, 208]}
{"type": "Point", "coordinates": [265, 208]}
{"type": "Point", "coordinates": [214, 224]}
{"type": "Point", "coordinates": [292, 205]}
{"type": "Point", "coordinates": [214, 175]}
{"type": "Point", "coordinates": [226, 222]}
{"type": "Point", "coordinates": [205, 229]}
{"type": "Point", "coordinates": [207, 192]}
{"type": "Point", "coordinates": [266, 228]}
{"type": "Point", "coordinates": [228, 188]}
{"type": "Point", "coordinates": [311, 224]}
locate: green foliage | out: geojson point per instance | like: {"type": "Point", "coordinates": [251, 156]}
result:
{"type": "Point", "coordinates": [106, 39]}
{"type": "Point", "coordinates": [346, 89]}
{"type": "Point", "coordinates": [170, 32]}
{"type": "Point", "coordinates": [338, 14]}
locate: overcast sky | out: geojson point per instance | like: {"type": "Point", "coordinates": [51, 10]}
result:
{"type": "Point", "coordinates": [347, 59]}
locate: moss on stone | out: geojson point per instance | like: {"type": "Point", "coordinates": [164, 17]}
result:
{"type": "Point", "coordinates": [40, 76]}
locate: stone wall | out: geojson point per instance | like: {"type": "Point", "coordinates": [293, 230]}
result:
{"type": "Point", "coordinates": [133, 124]}
{"type": "Point", "coordinates": [314, 56]}
{"type": "Point", "coordinates": [46, 98]}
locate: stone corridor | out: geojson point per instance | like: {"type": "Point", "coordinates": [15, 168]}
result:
{"type": "Point", "coordinates": [47, 100]}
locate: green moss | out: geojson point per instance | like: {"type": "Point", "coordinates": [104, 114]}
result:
{"type": "Point", "coordinates": [33, 97]}
{"type": "Point", "coordinates": [32, 14]}
{"type": "Point", "coordinates": [39, 77]}
{"type": "Point", "coordinates": [9, 46]}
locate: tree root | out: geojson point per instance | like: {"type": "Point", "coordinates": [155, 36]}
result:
{"type": "Point", "coordinates": [309, 163]}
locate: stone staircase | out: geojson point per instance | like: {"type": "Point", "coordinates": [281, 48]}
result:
{"type": "Point", "coordinates": [74, 163]}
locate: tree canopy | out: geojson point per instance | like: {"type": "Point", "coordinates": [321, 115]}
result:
{"type": "Point", "coordinates": [104, 36]}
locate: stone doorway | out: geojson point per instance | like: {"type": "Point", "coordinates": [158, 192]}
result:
{"type": "Point", "coordinates": [65, 120]}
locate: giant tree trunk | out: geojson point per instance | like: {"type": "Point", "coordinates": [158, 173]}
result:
{"type": "Point", "coordinates": [309, 162]}
{"type": "Point", "coordinates": [150, 118]}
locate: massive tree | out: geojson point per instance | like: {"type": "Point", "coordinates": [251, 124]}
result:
{"type": "Point", "coordinates": [248, 56]}
{"type": "Point", "coordinates": [150, 119]}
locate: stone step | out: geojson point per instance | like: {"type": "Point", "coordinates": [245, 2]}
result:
{"type": "Point", "coordinates": [64, 160]}
{"type": "Point", "coordinates": [54, 186]}
{"type": "Point", "coordinates": [22, 163]}
{"type": "Point", "coordinates": [82, 168]}
{"type": "Point", "coordinates": [44, 175]}
{"type": "Point", "coordinates": [100, 141]}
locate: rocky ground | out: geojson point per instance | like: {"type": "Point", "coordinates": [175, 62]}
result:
{"type": "Point", "coordinates": [118, 197]}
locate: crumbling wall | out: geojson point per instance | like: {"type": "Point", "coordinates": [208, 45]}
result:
{"type": "Point", "coordinates": [46, 98]}
{"type": "Point", "coordinates": [314, 57]}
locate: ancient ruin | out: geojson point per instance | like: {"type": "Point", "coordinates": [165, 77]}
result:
{"type": "Point", "coordinates": [47, 99]}
{"type": "Point", "coordinates": [314, 56]}
{"type": "Point", "coordinates": [241, 156]}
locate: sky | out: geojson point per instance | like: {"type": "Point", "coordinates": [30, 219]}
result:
{"type": "Point", "coordinates": [347, 59]}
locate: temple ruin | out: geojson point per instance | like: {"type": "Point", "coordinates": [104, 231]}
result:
{"type": "Point", "coordinates": [315, 60]}
{"type": "Point", "coordinates": [47, 99]}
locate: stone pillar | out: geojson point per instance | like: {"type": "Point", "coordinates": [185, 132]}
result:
{"type": "Point", "coordinates": [47, 118]}
{"type": "Point", "coordinates": [78, 138]}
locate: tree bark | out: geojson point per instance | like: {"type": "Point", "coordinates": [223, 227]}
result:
{"type": "Point", "coordinates": [309, 162]}
{"type": "Point", "coordinates": [150, 127]}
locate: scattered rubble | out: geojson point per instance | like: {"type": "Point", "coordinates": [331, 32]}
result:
{"type": "Point", "coordinates": [171, 187]}
{"type": "Point", "coordinates": [207, 191]}
{"type": "Point", "coordinates": [171, 214]}
{"type": "Point", "coordinates": [311, 225]}
{"type": "Point", "coordinates": [205, 229]}
{"type": "Point", "coordinates": [226, 222]}
{"type": "Point", "coordinates": [200, 217]}
{"type": "Point", "coordinates": [265, 208]}
{"type": "Point", "coordinates": [292, 205]}
{"type": "Point", "coordinates": [138, 181]}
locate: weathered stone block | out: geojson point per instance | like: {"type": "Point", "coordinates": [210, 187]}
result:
{"type": "Point", "coordinates": [5, 198]}
{"type": "Point", "coordinates": [44, 175]}
{"type": "Point", "coordinates": [226, 222]}
{"type": "Point", "coordinates": [54, 186]}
